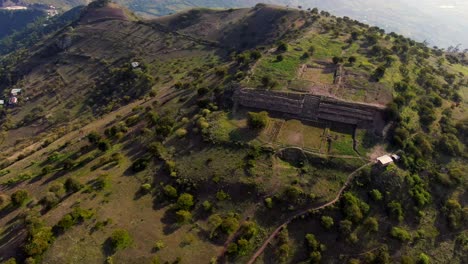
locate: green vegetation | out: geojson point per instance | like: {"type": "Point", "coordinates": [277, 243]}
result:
{"type": "Point", "coordinates": [120, 239]}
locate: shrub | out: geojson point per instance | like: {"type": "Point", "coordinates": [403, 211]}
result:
{"type": "Point", "coordinates": [72, 185]}
{"type": "Point", "coordinates": [39, 240]}
{"type": "Point", "coordinates": [395, 210]}
{"type": "Point", "coordinates": [354, 208]}
{"type": "Point", "coordinates": [181, 132]}
{"type": "Point", "coordinates": [376, 195]}
{"type": "Point", "coordinates": [229, 225]}
{"type": "Point", "coordinates": [232, 249]}
{"type": "Point", "coordinates": [279, 57]}
{"type": "Point", "coordinates": [185, 201]}
{"type": "Point", "coordinates": [372, 224]}
{"type": "Point", "coordinates": [159, 245]}
{"type": "Point", "coordinates": [19, 197]}
{"type": "Point", "coordinates": [103, 145]}
{"type": "Point", "coordinates": [400, 234]}
{"type": "Point", "coordinates": [207, 206]}
{"type": "Point", "coordinates": [140, 164]}
{"type": "Point", "coordinates": [170, 191]}
{"type": "Point", "coordinates": [423, 259]}
{"type": "Point", "coordinates": [269, 202]}
{"type": "Point", "coordinates": [221, 196]}
{"type": "Point", "coordinates": [183, 216]}
{"type": "Point", "coordinates": [282, 47]}
{"type": "Point", "coordinates": [120, 239]}
{"type": "Point", "coordinates": [145, 188]}
{"type": "Point", "coordinates": [257, 120]}
{"type": "Point", "coordinates": [50, 200]}
{"type": "Point", "coordinates": [102, 182]}
{"type": "Point", "coordinates": [327, 222]}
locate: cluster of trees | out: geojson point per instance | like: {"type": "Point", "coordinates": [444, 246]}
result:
{"type": "Point", "coordinates": [121, 85]}
{"type": "Point", "coordinates": [315, 248]}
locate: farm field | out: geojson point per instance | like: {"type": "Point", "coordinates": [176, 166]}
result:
{"type": "Point", "coordinates": [311, 136]}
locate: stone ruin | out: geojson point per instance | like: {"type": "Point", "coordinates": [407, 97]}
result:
{"type": "Point", "coordinates": [306, 106]}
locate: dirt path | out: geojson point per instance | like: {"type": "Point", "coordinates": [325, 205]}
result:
{"type": "Point", "coordinates": [306, 211]}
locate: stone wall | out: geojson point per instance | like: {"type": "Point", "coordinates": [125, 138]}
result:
{"type": "Point", "coordinates": [312, 107]}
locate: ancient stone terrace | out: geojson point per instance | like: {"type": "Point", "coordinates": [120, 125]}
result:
{"type": "Point", "coordinates": [312, 107]}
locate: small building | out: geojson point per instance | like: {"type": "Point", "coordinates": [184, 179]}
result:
{"type": "Point", "coordinates": [395, 157]}
{"type": "Point", "coordinates": [135, 64]}
{"type": "Point", "coordinates": [13, 100]}
{"type": "Point", "coordinates": [15, 91]}
{"type": "Point", "coordinates": [2, 102]}
{"type": "Point", "coordinates": [384, 160]}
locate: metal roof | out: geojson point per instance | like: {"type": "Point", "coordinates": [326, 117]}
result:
{"type": "Point", "coordinates": [386, 159]}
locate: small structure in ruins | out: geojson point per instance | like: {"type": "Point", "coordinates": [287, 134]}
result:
{"type": "Point", "coordinates": [135, 64]}
{"type": "Point", "coordinates": [306, 106]}
{"type": "Point", "coordinates": [15, 91]}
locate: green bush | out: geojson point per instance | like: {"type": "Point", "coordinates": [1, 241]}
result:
{"type": "Point", "coordinates": [140, 164]}
{"type": "Point", "coordinates": [19, 197]}
{"type": "Point", "coordinates": [400, 234]}
{"type": "Point", "coordinates": [257, 120]}
{"type": "Point", "coordinates": [183, 216]}
{"type": "Point", "coordinates": [39, 240]}
{"type": "Point", "coordinates": [159, 245]}
{"type": "Point", "coordinates": [376, 195]}
{"type": "Point", "coordinates": [120, 239]}
{"type": "Point", "coordinates": [327, 222]}
{"type": "Point", "coordinates": [72, 185]}
{"type": "Point", "coordinates": [229, 225]}
{"type": "Point", "coordinates": [185, 201]}
{"type": "Point", "coordinates": [170, 191]}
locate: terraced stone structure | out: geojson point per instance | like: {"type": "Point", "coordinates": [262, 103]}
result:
{"type": "Point", "coordinates": [313, 107]}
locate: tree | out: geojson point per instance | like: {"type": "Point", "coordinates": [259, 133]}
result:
{"type": "Point", "coordinates": [19, 197]}
{"type": "Point", "coordinates": [327, 222]}
{"type": "Point", "coordinates": [72, 185]}
{"type": "Point", "coordinates": [372, 224]}
{"type": "Point", "coordinates": [39, 240]}
{"type": "Point", "coordinates": [185, 201]}
{"type": "Point", "coordinates": [257, 120]}
{"type": "Point", "coordinates": [423, 259]}
{"type": "Point", "coordinates": [376, 195]}
{"type": "Point", "coordinates": [352, 60]}
{"type": "Point", "coordinates": [120, 239]}
{"type": "Point", "coordinates": [395, 210]}
{"type": "Point", "coordinates": [336, 60]}
{"type": "Point", "coordinates": [279, 57]}
{"type": "Point", "coordinates": [229, 225]}
{"type": "Point", "coordinates": [183, 216]}
{"type": "Point", "coordinates": [354, 208]}
{"type": "Point", "coordinates": [312, 242]}
{"type": "Point", "coordinates": [282, 47]}
{"type": "Point", "coordinates": [400, 234]}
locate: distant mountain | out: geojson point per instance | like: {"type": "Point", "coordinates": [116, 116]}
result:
{"type": "Point", "coordinates": [439, 22]}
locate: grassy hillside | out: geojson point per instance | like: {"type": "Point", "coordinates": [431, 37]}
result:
{"type": "Point", "coordinates": [126, 147]}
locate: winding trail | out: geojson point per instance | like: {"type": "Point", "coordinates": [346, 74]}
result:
{"type": "Point", "coordinates": [306, 211]}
